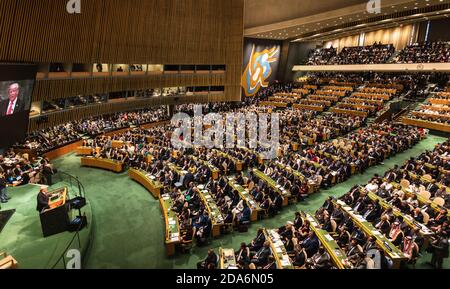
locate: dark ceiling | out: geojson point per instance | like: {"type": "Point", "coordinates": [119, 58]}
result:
{"type": "Point", "coordinates": [263, 12]}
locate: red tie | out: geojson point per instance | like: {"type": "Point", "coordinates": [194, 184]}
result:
{"type": "Point", "coordinates": [10, 109]}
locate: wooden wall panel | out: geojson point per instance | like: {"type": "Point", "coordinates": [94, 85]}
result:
{"type": "Point", "coordinates": [125, 31]}
{"type": "Point", "coordinates": [61, 88]}
{"type": "Point", "coordinates": [122, 31]}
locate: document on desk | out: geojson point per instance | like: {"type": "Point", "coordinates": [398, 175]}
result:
{"type": "Point", "coordinates": [360, 218]}
{"type": "Point", "coordinates": [329, 238]}
{"type": "Point", "coordinates": [285, 261]}
{"type": "Point", "coordinates": [172, 222]}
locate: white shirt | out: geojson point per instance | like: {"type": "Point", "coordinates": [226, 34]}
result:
{"type": "Point", "coordinates": [372, 187]}
{"type": "Point", "coordinates": [13, 106]}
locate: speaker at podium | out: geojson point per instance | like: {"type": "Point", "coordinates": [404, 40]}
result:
{"type": "Point", "coordinates": [55, 219]}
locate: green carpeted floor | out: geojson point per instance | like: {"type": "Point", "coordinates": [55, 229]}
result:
{"type": "Point", "coordinates": [128, 224]}
{"type": "Point", "coordinates": [22, 236]}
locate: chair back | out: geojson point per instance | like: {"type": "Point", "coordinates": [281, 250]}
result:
{"type": "Point", "coordinates": [319, 180]}
{"type": "Point", "coordinates": [439, 201]}
{"type": "Point", "coordinates": [425, 194]}
{"type": "Point", "coordinates": [333, 225]}
{"type": "Point", "coordinates": [404, 183]}
{"type": "Point", "coordinates": [428, 177]}
{"type": "Point", "coordinates": [426, 218]}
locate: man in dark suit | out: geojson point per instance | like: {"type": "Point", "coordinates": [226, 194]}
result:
{"type": "Point", "coordinates": [271, 265]}
{"type": "Point", "coordinates": [311, 244]}
{"type": "Point", "coordinates": [188, 178]}
{"type": "Point", "coordinates": [14, 103]}
{"type": "Point", "coordinates": [47, 172]}
{"type": "Point", "coordinates": [210, 261]}
{"type": "Point", "coordinates": [261, 257]}
{"type": "Point", "coordinates": [439, 248]}
{"type": "Point", "coordinates": [258, 242]}
{"type": "Point", "coordinates": [42, 200]}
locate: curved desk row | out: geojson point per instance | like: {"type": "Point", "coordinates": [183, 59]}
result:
{"type": "Point", "coordinates": [173, 236]}
{"type": "Point", "coordinates": [215, 172]}
{"type": "Point", "coordinates": [309, 107]}
{"type": "Point", "coordinates": [245, 195]}
{"type": "Point", "coordinates": [350, 112]}
{"type": "Point", "coordinates": [312, 186]}
{"type": "Point", "coordinates": [237, 163]}
{"type": "Point", "coordinates": [227, 259]}
{"type": "Point", "coordinates": [105, 164]}
{"type": "Point", "coordinates": [420, 198]}
{"type": "Point", "coordinates": [274, 104]}
{"type": "Point", "coordinates": [278, 250]}
{"type": "Point", "coordinates": [274, 185]}
{"type": "Point", "coordinates": [86, 151]}
{"type": "Point", "coordinates": [61, 151]}
{"type": "Point", "coordinates": [394, 253]}
{"type": "Point", "coordinates": [144, 179]}
{"type": "Point", "coordinates": [214, 211]}
{"type": "Point", "coordinates": [427, 124]}
{"type": "Point", "coordinates": [424, 231]}
{"type": "Point", "coordinates": [337, 255]}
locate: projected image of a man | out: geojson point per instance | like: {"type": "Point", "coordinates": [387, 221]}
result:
{"type": "Point", "coordinates": [13, 103]}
